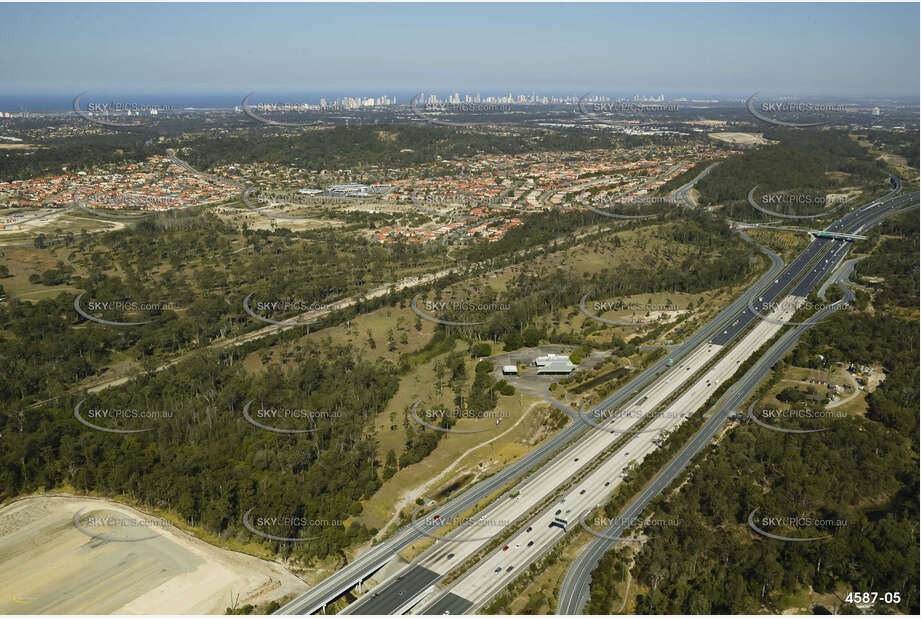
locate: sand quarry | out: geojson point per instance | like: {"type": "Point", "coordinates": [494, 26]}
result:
{"type": "Point", "coordinates": [50, 566]}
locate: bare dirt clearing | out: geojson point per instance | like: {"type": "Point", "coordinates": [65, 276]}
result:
{"type": "Point", "coordinates": [60, 569]}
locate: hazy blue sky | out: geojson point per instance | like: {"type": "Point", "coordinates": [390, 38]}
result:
{"type": "Point", "coordinates": [849, 49]}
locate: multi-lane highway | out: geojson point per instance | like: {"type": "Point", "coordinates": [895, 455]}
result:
{"type": "Point", "coordinates": [682, 195]}
{"type": "Point", "coordinates": [574, 592]}
{"type": "Point", "coordinates": [349, 576]}
{"type": "Point", "coordinates": [494, 572]}
{"type": "Point", "coordinates": [404, 588]}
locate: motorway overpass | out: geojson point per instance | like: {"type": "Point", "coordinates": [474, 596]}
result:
{"type": "Point", "coordinates": [404, 589]}
{"type": "Point", "coordinates": [574, 592]}
{"type": "Point", "coordinates": [813, 233]}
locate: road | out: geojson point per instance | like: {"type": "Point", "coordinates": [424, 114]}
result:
{"type": "Point", "coordinates": [347, 577]}
{"type": "Point", "coordinates": [493, 573]}
{"type": "Point", "coordinates": [574, 592]}
{"type": "Point", "coordinates": [682, 195]}
{"type": "Point", "coordinates": [392, 594]}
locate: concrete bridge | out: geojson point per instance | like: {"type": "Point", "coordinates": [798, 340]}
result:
{"type": "Point", "coordinates": [814, 233]}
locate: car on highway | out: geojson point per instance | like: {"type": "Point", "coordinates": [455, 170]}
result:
{"type": "Point", "coordinates": [505, 548]}
{"type": "Point", "coordinates": [497, 570]}
{"type": "Point", "coordinates": [530, 543]}
{"type": "Point", "coordinates": [509, 570]}
{"type": "Point", "coordinates": [529, 529]}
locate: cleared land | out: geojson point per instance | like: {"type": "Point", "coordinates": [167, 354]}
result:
{"type": "Point", "coordinates": [746, 139]}
{"type": "Point", "coordinates": [52, 567]}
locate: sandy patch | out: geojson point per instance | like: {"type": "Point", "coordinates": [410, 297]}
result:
{"type": "Point", "coordinates": [740, 138]}
{"type": "Point", "coordinates": [50, 566]}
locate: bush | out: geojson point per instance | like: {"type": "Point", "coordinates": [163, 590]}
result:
{"type": "Point", "coordinates": [789, 395]}
{"type": "Point", "coordinates": [484, 366]}
{"type": "Point", "coordinates": [480, 350]}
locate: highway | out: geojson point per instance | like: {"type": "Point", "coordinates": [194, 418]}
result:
{"type": "Point", "coordinates": [396, 593]}
{"type": "Point", "coordinates": [350, 575]}
{"type": "Point", "coordinates": [495, 572]}
{"type": "Point", "coordinates": [574, 592]}
{"type": "Point", "coordinates": [682, 195]}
